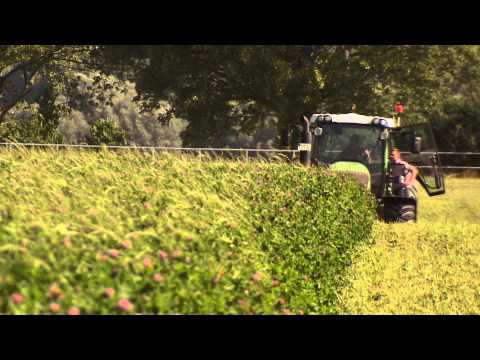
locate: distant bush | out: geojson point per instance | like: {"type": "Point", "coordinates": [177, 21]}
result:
{"type": "Point", "coordinates": [235, 138]}
{"type": "Point", "coordinates": [106, 132]}
{"type": "Point", "coordinates": [457, 127]}
{"type": "Point", "coordinates": [107, 232]}
{"type": "Point", "coordinates": [139, 128]}
{"type": "Point", "coordinates": [28, 125]}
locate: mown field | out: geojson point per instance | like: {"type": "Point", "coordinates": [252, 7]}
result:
{"type": "Point", "coordinates": [432, 267]}
{"type": "Point", "coordinates": [84, 232]}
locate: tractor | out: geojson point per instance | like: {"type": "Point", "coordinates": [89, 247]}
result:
{"type": "Point", "coordinates": [360, 146]}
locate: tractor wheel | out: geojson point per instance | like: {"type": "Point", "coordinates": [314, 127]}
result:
{"type": "Point", "coordinates": [400, 212]}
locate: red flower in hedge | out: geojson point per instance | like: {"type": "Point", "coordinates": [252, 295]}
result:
{"type": "Point", "coordinates": [147, 206]}
{"type": "Point", "coordinates": [114, 253]}
{"type": "Point", "coordinates": [125, 305]}
{"type": "Point", "coordinates": [158, 277]}
{"type": "Point", "coordinates": [109, 292]}
{"type": "Point", "coordinates": [177, 253]}
{"type": "Point", "coordinates": [16, 298]}
{"type": "Point", "coordinates": [127, 244]}
{"type": "Point", "coordinates": [67, 242]}
{"type": "Point", "coordinates": [148, 263]}
{"type": "Point", "coordinates": [256, 277]}
{"type": "Point", "coordinates": [286, 312]}
{"type": "Point", "coordinates": [163, 255]}
{"type": "Point", "coordinates": [282, 301]}
{"type": "Point", "coordinates": [74, 311]}
{"type": "Point", "coordinates": [54, 307]}
{"type": "Point", "coordinates": [54, 291]}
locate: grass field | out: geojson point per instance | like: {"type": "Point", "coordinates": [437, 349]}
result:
{"type": "Point", "coordinates": [432, 267]}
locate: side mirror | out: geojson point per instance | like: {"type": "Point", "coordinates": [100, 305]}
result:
{"type": "Point", "coordinates": [417, 145]}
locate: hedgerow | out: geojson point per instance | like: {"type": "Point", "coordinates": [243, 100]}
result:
{"type": "Point", "coordinates": [107, 233]}
{"type": "Point", "coordinates": [310, 221]}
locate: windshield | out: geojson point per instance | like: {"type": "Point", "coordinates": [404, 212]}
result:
{"type": "Point", "coordinates": [348, 142]}
{"type": "Point", "coordinates": [351, 142]}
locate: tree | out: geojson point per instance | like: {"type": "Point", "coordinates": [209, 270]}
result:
{"type": "Point", "coordinates": [140, 128]}
{"type": "Point", "coordinates": [25, 66]}
{"type": "Point", "coordinates": [106, 132]}
{"type": "Point", "coordinates": [219, 88]}
{"type": "Point", "coordinates": [38, 74]}
{"type": "Point", "coordinates": [26, 123]}
{"type": "Point", "coordinates": [244, 89]}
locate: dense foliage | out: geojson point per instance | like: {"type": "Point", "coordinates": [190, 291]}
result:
{"type": "Point", "coordinates": [308, 223]}
{"type": "Point", "coordinates": [220, 87]}
{"type": "Point", "coordinates": [228, 94]}
{"type": "Point", "coordinates": [104, 232]}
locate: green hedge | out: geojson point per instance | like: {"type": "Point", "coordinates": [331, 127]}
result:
{"type": "Point", "coordinates": [172, 234]}
{"type": "Point", "coordinates": [310, 221]}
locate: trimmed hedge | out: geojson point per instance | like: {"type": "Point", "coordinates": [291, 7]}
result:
{"type": "Point", "coordinates": [171, 234]}
{"type": "Point", "coordinates": [310, 221]}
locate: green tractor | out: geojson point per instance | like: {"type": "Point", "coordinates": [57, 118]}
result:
{"type": "Point", "coordinates": [361, 145]}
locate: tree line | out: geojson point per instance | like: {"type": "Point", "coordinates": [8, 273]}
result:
{"type": "Point", "coordinates": [210, 95]}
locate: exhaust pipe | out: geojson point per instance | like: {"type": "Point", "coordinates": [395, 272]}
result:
{"type": "Point", "coordinates": [306, 138]}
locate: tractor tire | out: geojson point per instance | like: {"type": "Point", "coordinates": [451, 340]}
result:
{"type": "Point", "coordinates": [400, 213]}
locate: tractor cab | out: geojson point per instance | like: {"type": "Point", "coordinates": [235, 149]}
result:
{"type": "Point", "coordinates": [361, 146]}
{"type": "Point", "coordinates": [351, 143]}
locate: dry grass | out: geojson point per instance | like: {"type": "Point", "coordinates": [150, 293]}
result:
{"type": "Point", "coordinates": [432, 267]}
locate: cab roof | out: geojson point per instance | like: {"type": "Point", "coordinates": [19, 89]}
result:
{"type": "Point", "coordinates": [353, 118]}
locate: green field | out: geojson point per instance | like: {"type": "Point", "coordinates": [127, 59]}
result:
{"type": "Point", "coordinates": [432, 267]}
